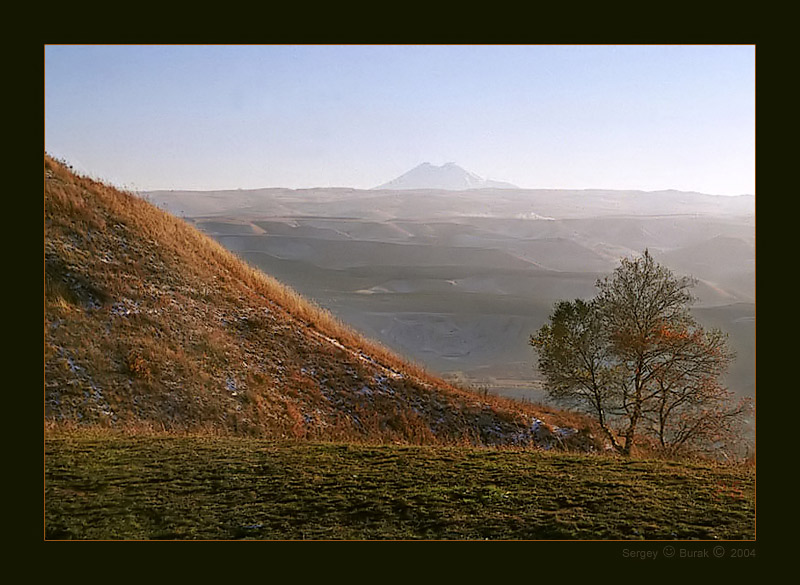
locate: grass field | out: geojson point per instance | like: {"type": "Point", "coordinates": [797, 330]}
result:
{"type": "Point", "coordinates": [169, 487]}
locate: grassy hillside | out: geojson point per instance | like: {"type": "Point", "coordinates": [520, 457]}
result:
{"type": "Point", "coordinates": [190, 396]}
{"type": "Point", "coordinates": [149, 324]}
{"type": "Point", "coordinates": [161, 487]}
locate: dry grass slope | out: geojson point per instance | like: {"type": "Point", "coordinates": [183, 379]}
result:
{"type": "Point", "coordinates": [149, 324]}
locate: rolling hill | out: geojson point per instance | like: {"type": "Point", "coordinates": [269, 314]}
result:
{"type": "Point", "coordinates": [150, 324]}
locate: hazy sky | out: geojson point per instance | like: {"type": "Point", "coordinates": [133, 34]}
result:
{"type": "Point", "coordinates": [570, 117]}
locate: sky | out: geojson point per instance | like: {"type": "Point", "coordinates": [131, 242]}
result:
{"type": "Point", "coordinates": [200, 117]}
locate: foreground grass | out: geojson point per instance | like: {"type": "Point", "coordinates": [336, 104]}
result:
{"type": "Point", "coordinates": [223, 488]}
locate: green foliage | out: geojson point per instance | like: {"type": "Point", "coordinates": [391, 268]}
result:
{"type": "Point", "coordinates": [635, 359]}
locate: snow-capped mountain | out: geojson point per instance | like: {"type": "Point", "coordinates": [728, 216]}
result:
{"type": "Point", "coordinates": [449, 176]}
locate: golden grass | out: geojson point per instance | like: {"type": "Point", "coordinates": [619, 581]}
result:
{"type": "Point", "coordinates": [89, 211]}
{"type": "Point", "coordinates": [208, 257]}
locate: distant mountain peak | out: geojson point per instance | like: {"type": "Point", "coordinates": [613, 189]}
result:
{"type": "Point", "coordinates": [448, 176]}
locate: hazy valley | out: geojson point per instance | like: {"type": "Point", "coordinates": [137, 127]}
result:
{"type": "Point", "coordinates": [458, 280]}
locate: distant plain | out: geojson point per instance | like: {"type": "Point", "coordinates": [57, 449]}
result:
{"type": "Point", "coordinates": [458, 281]}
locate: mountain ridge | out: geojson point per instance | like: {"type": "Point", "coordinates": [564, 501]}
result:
{"type": "Point", "coordinates": [428, 203]}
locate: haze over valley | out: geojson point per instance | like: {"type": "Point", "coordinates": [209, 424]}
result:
{"type": "Point", "coordinates": [459, 274]}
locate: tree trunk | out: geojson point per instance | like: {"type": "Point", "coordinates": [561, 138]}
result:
{"type": "Point", "coordinates": [630, 432]}
{"type": "Point", "coordinates": [610, 435]}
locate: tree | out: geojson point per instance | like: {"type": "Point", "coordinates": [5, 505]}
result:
{"type": "Point", "coordinates": [635, 359]}
{"type": "Point", "coordinates": [573, 355]}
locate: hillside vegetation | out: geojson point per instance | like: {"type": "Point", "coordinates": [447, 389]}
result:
{"type": "Point", "coordinates": [149, 324]}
